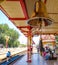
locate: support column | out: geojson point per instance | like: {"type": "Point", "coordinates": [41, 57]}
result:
{"type": "Point", "coordinates": [29, 46]}
{"type": "Point", "coordinates": [41, 45]}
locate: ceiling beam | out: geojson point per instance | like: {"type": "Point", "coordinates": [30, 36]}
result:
{"type": "Point", "coordinates": [45, 1]}
{"type": "Point", "coordinates": [17, 18]}
{"type": "Point", "coordinates": [12, 0]}
{"type": "Point", "coordinates": [24, 31]}
{"type": "Point", "coordinates": [22, 2]}
{"type": "Point", "coordinates": [10, 18]}
{"type": "Point", "coordinates": [22, 26]}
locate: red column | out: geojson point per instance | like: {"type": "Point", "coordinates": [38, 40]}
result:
{"type": "Point", "coordinates": [29, 46]}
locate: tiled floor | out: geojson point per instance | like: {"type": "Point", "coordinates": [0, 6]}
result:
{"type": "Point", "coordinates": [36, 60]}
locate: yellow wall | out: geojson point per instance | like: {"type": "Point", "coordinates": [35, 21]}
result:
{"type": "Point", "coordinates": [49, 43]}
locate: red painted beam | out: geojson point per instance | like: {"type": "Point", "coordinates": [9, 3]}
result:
{"type": "Point", "coordinates": [12, 0]}
{"type": "Point", "coordinates": [22, 2]}
{"type": "Point", "coordinates": [17, 18]}
{"type": "Point", "coordinates": [22, 26]}
{"type": "Point", "coordinates": [24, 31]}
{"type": "Point", "coordinates": [45, 1]}
{"type": "Point", "coordinates": [24, 18]}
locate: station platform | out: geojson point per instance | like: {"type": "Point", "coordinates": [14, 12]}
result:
{"type": "Point", "coordinates": [36, 60]}
{"type": "Point", "coordinates": [13, 51]}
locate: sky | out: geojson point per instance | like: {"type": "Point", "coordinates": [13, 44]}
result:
{"type": "Point", "coordinates": [22, 38]}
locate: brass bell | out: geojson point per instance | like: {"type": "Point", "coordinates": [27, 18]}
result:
{"type": "Point", "coordinates": [39, 16]}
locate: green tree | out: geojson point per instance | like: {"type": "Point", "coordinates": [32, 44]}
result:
{"type": "Point", "coordinates": [6, 31]}
{"type": "Point", "coordinates": [16, 43]}
{"type": "Point", "coordinates": [56, 37]}
{"type": "Point", "coordinates": [2, 40]}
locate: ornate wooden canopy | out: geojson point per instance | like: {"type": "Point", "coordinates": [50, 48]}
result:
{"type": "Point", "coordinates": [19, 11]}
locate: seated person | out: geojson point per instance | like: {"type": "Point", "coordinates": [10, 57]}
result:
{"type": "Point", "coordinates": [47, 56]}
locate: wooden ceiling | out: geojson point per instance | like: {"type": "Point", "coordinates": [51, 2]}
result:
{"type": "Point", "coordinates": [19, 11]}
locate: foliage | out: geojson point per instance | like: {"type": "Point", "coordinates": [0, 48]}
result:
{"type": "Point", "coordinates": [56, 37]}
{"type": "Point", "coordinates": [11, 33]}
{"type": "Point", "coordinates": [22, 45]}
{"type": "Point", "coordinates": [16, 43]}
{"type": "Point", "coordinates": [2, 40]}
